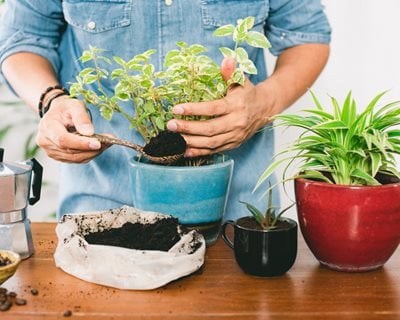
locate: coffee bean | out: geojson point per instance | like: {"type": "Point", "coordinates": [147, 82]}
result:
{"type": "Point", "coordinates": [20, 302]}
{"type": "Point", "coordinates": [34, 292]}
{"type": "Point", "coordinates": [67, 313]}
{"type": "Point", "coordinates": [6, 305]}
{"type": "Point", "coordinates": [12, 294]}
{"type": "Point", "coordinates": [4, 261]}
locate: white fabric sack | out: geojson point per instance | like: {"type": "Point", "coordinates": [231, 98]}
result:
{"type": "Point", "coordinates": [119, 267]}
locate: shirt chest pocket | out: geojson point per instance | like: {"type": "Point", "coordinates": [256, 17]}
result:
{"type": "Point", "coordinates": [95, 16]}
{"type": "Point", "coordinates": [216, 13]}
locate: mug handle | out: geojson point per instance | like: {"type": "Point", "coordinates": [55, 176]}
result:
{"type": "Point", "coordinates": [223, 232]}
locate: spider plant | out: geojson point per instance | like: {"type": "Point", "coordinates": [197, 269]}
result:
{"type": "Point", "coordinates": [342, 146]}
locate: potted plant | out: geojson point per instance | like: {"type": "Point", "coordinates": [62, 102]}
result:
{"type": "Point", "coordinates": [264, 244]}
{"type": "Point", "coordinates": [188, 75]}
{"type": "Point", "coordinates": [346, 183]}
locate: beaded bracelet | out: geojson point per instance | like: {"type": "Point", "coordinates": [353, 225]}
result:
{"type": "Point", "coordinates": [43, 95]}
{"type": "Point", "coordinates": [47, 107]}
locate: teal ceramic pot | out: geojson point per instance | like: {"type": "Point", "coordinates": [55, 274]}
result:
{"type": "Point", "coordinates": [197, 196]}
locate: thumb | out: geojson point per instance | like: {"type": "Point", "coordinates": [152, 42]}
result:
{"type": "Point", "coordinates": [227, 68]}
{"type": "Point", "coordinates": [81, 120]}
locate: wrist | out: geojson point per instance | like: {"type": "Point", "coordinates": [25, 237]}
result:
{"type": "Point", "coordinates": [48, 96]}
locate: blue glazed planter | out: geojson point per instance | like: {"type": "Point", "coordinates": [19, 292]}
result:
{"type": "Point", "coordinates": [197, 196]}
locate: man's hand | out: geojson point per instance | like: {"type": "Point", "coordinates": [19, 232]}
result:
{"type": "Point", "coordinates": [55, 136]}
{"type": "Point", "coordinates": [235, 118]}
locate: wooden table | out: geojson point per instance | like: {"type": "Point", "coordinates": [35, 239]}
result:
{"type": "Point", "coordinates": [220, 290]}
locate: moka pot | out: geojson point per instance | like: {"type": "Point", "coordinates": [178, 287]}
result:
{"type": "Point", "coordinates": [16, 182]}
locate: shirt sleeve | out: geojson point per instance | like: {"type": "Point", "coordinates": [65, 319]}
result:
{"type": "Point", "coordinates": [295, 22]}
{"type": "Point", "coordinates": [32, 26]}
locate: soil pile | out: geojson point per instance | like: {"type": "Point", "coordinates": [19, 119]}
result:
{"type": "Point", "coordinates": [161, 235]}
{"type": "Point", "coordinates": [167, 143]}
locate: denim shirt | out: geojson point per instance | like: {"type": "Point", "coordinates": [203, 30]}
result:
{"type": "Point", "coordinates": [61, 30]}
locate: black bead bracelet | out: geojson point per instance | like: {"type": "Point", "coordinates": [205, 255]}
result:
{"type": "Point", "coordinates": [43, 109]}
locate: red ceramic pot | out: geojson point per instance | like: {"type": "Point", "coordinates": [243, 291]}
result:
{"type": "Point", "coordinates": [349, 228]}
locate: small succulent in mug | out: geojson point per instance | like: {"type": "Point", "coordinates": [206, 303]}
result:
{"type": "Point", "coordinates": [270, 218]}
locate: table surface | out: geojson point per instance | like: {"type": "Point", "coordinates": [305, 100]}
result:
{"type": "Point", "coordinates": [219, 290]}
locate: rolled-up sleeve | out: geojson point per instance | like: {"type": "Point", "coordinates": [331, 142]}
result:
{"type": "Point", "coordinates": [32, 26]}
{"type": "Point", "coordinates": [295, 22]}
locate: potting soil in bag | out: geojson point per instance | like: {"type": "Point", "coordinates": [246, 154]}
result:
{"type": "Point", "coordinates": [127, 248]}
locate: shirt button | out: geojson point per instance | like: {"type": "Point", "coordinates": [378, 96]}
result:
{"type": "Point", "coordinates": [91, 25]}
{"type": "Point", "coordinates": [168, 2]}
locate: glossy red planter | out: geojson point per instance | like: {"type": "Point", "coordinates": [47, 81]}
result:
{"type": "Point", "coordinates": [349, 228]}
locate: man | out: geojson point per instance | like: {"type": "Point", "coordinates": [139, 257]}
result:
{"type": "Point", "coordinates": [42, 40]}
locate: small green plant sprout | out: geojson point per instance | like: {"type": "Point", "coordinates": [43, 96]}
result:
{"type": "Point", "coordinates": [242, 33]}
{"type": "Point", "coordinates": [342, 146]}
{"type": "Point", "coordinates": [188, 75]}
{"type": "Point", "coordinates": [270, 218]}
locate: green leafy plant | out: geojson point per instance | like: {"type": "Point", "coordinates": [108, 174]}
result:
{"type": "Point", "coordinates": [189, 75]}
{"type": "Point", "coordinates": [343, 146]}
{"type": "Point", "coordinates": [270, 218]}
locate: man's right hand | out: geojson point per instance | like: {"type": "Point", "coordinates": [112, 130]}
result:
{"type": "Point", "coordinates": [55, 135]}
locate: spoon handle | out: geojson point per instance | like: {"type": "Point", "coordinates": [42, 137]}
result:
{"type": "Point", "coordinates": [111, 140]}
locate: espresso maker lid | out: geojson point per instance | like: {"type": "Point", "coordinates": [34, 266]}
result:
{"type": "Point", "coordinates": [13, 169]}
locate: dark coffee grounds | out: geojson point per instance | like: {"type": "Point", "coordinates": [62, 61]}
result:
{"type": "Point", "coordinates": [161, 235]}
{"type": "Point", "coordinates": [166, 143]}
{"type": "Point", "coordinates": [4, 261]}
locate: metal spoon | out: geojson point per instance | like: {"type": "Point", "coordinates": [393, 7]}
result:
{"type": "Point", "coordinates": [157, 159]}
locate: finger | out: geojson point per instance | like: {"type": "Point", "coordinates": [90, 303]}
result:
{"type": "Point", "coordinates": [71, 156]}
{"type": "Point", "coordinates": [56, 132]}
{"type": "Point", "coordinates": [208, 109]}
{"type": "Point", "coordinates": [227, 68]}
{"type": "Point", "coordinates": [198, 152]}
{"type": "Point", "coordinates": [207, 128]}
{"type": "Point", "coordinates": [81, 119]}
{"type": "Point", "coordinates": [214, 143]}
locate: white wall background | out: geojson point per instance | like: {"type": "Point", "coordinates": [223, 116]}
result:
{"type": "Point", "coordinates": [364, 58]}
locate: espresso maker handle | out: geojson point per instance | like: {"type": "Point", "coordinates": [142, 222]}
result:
{"type": "Point", "coordinates": [37, 181]}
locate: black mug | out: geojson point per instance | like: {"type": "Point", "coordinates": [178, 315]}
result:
{"type": "Point", "coordinates": [265, 253]}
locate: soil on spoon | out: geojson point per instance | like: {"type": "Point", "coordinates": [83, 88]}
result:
{"type": "Point", "coordinates": [161, 235]}
{"type": "Point", "coordinates": [166, 143]}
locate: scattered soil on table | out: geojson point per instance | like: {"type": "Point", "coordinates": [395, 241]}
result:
{"type": "Point", "coordinates": [160, 235]}
{"type": "Point", "coordinates": [166, 143]}
{"type": "Point", "coordinates": [4, 261]}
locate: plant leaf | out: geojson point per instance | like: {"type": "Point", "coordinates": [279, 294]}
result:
{"type": "Point", "coordinates": [257, 39]}
{"type": "Point", "coordinates": [224, 30]}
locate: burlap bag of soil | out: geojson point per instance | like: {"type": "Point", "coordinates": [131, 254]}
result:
{"type": "Point", "coordinates": [120, 267]}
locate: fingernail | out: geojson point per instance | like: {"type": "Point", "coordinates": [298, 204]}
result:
{"type": "Point", "coordinates": [188, 154]}
{"type": "Point", "coordinates": [86, 129]}
{"type": "Point", "coordinates": [94, 145]}
{"type": "Point", "coordinates": [172, 126]}
{"type": "Point", "coordinates": [178, 110]}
